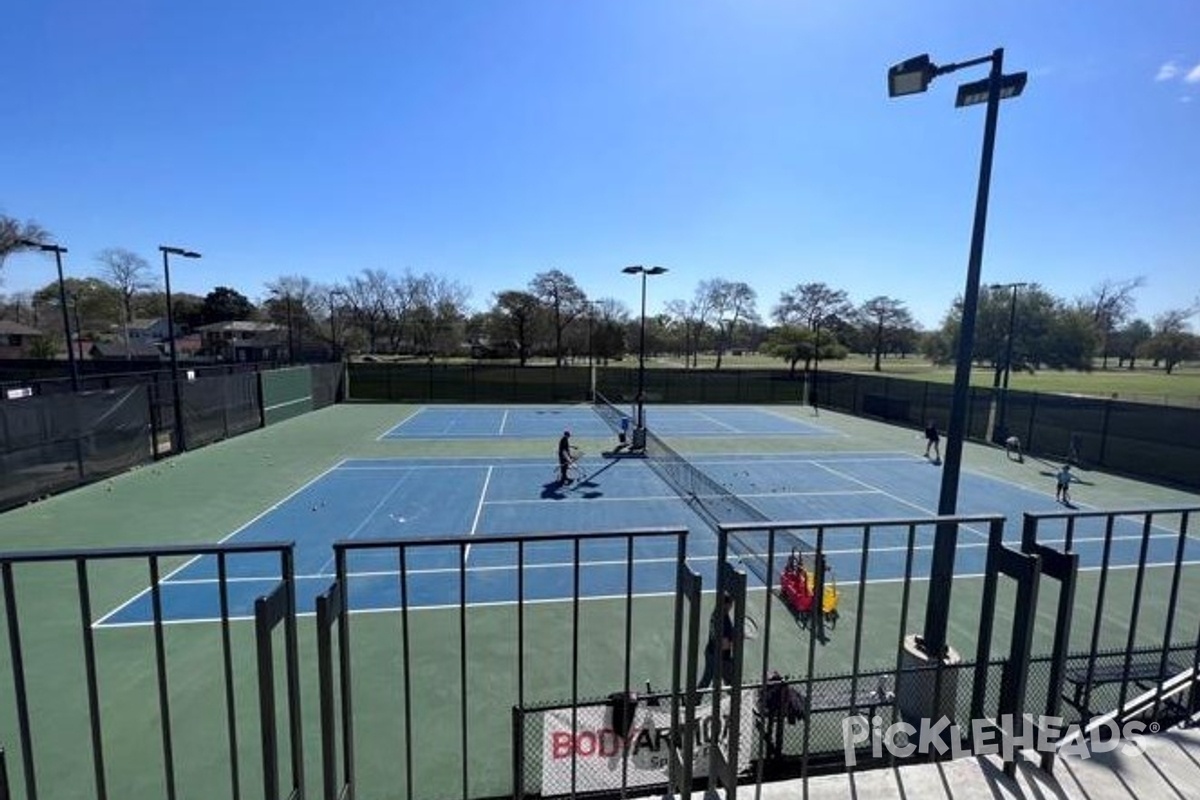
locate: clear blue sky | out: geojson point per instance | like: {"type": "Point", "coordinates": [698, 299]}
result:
{"type": "Point", "coordinates": [488, 140]}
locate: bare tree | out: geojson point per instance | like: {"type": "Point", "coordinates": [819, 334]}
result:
{"type": "Point", "coordinates": [881, 315]}
{"type": "Point", "coordinates": [1172, 342]}
{"type": "Point", "coordinates": [297, 298]}
{"type": "Point", "coordinates": [810, 303]}
{"type": "Point", "coordinates": [694, 316]}
{"type": "Point", "coordinates": [1110, 304]}
{"type": "Point", "coordinates": [517, 316]}
{"type": "Point", "coordinates": [564, 300]}
{"type": "Point", "coordinates": [732, 302]}
{"type": "Point", "coordinates": [13, 230]}
{"type": "Point", "coordinates": [438, 313]}
{"type": "Point", "coordinates": [367, 296]}
{"type": "Point", "coordinates": [127, 273]}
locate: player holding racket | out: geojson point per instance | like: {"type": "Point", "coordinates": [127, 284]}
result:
{"type": "Point", "coordinates": [566, 457]}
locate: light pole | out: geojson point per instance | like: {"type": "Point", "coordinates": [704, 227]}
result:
{"type": "Point", "coordinates": [1002, 421]}
{"type": "Point", "coordinates": [591, 308]}
{"type": "Point", "coordinates": [58, 250]}
{"type": "Point", "coordinates": [287, 304]}
{"type": "Point", "coordinates": [641, 395]}
{"type": "Point", "coordinates": [78, 326]}
{"type": "Point", "coordinates": [812, 390]}
{"type": "Point", "coordinates": [337, 353]}
{"type": "Point", "coordinates": [590, 305]}
{"type": "Point", "coordinates": [910, 77]}
{"type": "Point", "coordinates": [167, 252]}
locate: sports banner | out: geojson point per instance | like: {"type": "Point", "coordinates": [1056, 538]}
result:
{"type": "Point", "coordinates": [599, 751]}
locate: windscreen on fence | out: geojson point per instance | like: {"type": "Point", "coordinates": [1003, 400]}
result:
{"type": "Point", "coordinates": [328, 384]}
{"type": "Point", "coordinates": [468, 383]}
{"type": "Point", "coordinates": [1163, 443]}
{"type": "Point", "coordinates": [218, 407]}
{"type": "Point", "coordinates": [286, 393]}
{"type": "Point", "coordinates": [52, 442]}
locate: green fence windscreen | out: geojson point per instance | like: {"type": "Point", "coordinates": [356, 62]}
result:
{"type": "Point", "coordinates": [286, 393]}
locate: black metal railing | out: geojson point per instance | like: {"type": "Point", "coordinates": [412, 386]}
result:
{"type": "Point", "coordinates": [910, 687]}
{"type": "Point", "coordinates": [1140, 617]}
{"type": "Point", "coordinates": [535, 591]}
{"type": "Point", "coordinates": [519, 675]}
{"type": "Point", "coordinates": [44, 629]}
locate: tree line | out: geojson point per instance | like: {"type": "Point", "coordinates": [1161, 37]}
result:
{"type": "Point", "coordinates": [426, 315]}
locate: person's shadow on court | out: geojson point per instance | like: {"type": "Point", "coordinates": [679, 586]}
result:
{"type": "Point", "coordinates": [557, 491]}
{"type": "Point", "coordinates": [553, 491]}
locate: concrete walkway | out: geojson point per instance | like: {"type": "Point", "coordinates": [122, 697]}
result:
{"type": "Point", "coordinates": [1167, 769]}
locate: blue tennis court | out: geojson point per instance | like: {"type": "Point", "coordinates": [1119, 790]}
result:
{"type": "Point", "coordinates": [366, 499]}
{"type": "Point", "coordinates": [547, 422]}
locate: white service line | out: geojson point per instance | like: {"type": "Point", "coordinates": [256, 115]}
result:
{"type": "Point", "coordinates": [503, 422]}
{"type": "Point", "coordinates": [900, 500]}
{"type": "Point", "coordinates": [387, 496]}
{"type": "Point", "coordinates": [223, 539]}
{"type": "Point", "coordinates": [478, 513]}
{"type": "Point", "coordinates": [496, 603]}
{"type": "Point", "coordinates": [398, 425]}
{"type": "Point", "coordinates": [716, 421]}
{"type": "Point", "coordinates": [620, 562]}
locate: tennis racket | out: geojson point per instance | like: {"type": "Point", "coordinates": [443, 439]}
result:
{"type": "Point", "coordinates": [750, 628]}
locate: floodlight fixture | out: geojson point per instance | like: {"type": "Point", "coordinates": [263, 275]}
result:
{"type": "Point", "coordinates": [976, 92]}
{"type": "Point", "coordinates": [911, 76]}
{"type": "Point", "coordinates": [58, 251]}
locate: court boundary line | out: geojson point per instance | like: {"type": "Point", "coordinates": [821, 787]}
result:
{"type": "Point", "coordinates": [386, 496]}
{"type": "Point", "coordinates": [757, 458]}
{"type": "Point", "coordinates": [1084, 506]}
{"type": "Point", "coordinates": [718, 422]}
{"type": "Point", "coordinates": [900, 500]}
{"type": "Point", "coordinates": [541, 601]}
{"type": "Point", "coordinates": [269, 509]}
{"type": "Point", "coordinates": [843, 551]}
{"type": "Point", "coordinates": [381, 437]}
{"type": "Point", "coordinates": [487, 479]}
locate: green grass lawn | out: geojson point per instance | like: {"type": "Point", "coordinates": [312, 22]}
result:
{"type": "Point", "coordinates": [1144, 384]}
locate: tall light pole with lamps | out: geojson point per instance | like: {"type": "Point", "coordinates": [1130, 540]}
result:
{"type": "Point", "coordinates": [337, 351]}
{"type": "Point", "coordinates": [287, 304]}
{"type": "Point", "coordinates": [58, 250]}
{"type": "Point", "coordinates": [176, 403]}
{"type": "Point", "coordinates": [1002, 417]}
{"type": "Point", "coordinates": [911, 77]}
{"type": "Point", "coordinates": [638, 269]}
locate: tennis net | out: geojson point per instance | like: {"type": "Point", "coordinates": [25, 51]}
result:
{"type": "Point", "coordinates": [608, 411]}
{"type": "Point", "coordinates": [717, 504]}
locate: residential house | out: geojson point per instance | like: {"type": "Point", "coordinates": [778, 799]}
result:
{"type": "Point", "coordinates": [244, 340]}
{"type": "Point", "coordinates": [117, 351]}
{"type": "Point", "coordinates": [150, 331]}
{"type": "Point", "coordinates": [17, 340]}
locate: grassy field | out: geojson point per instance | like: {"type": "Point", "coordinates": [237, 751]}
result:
{"type": "Point", "coordinates": [1143, 384]}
